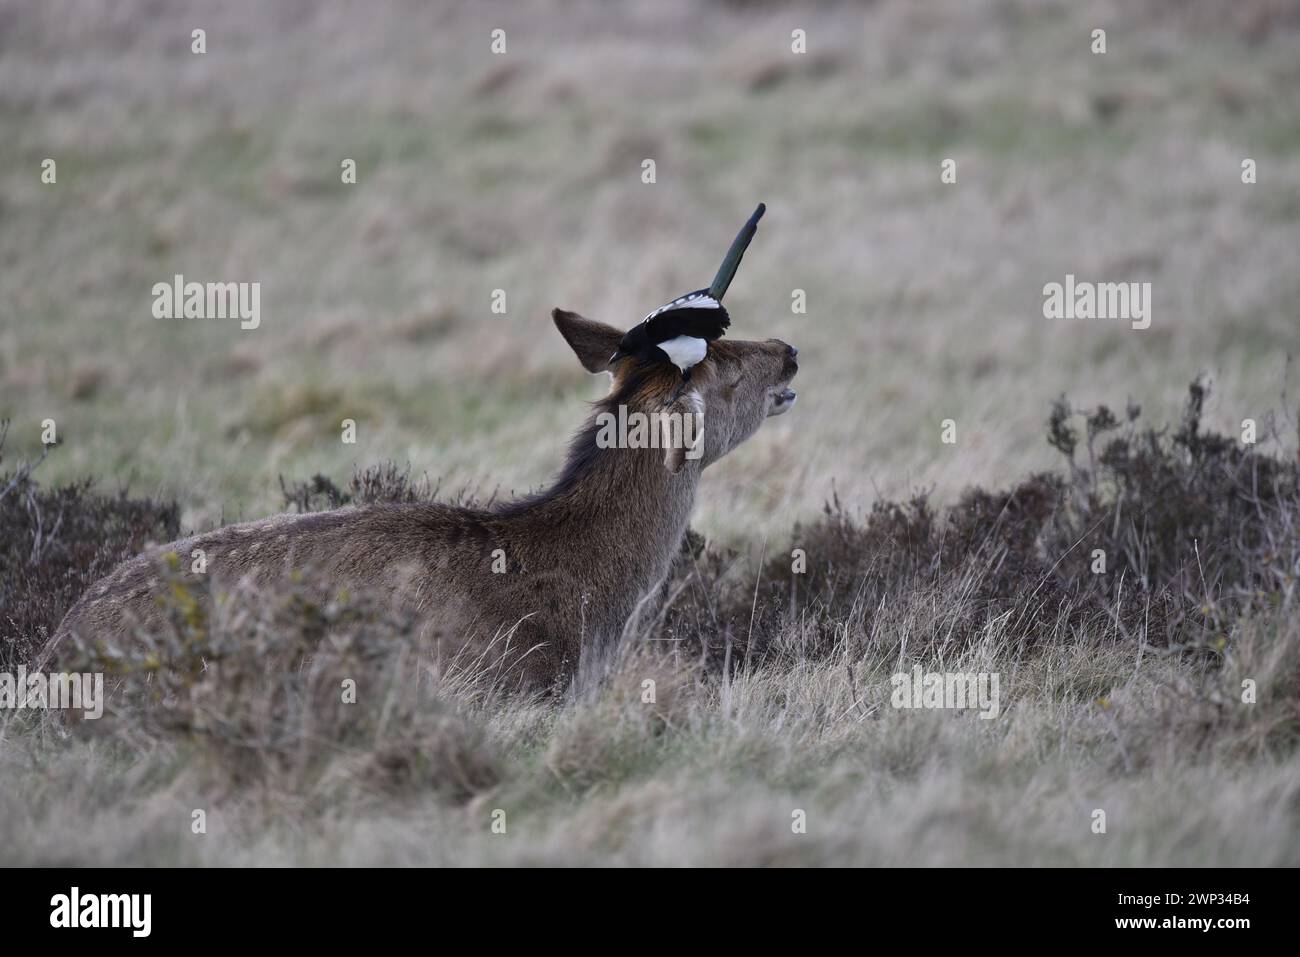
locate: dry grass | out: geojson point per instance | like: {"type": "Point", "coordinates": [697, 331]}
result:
{"type": "Point", "coordinates": [713, 774]}
{"type": "Point", "coordinates": [737, 704]}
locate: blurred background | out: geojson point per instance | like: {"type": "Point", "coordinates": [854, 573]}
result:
{"type": "Point", "coordinates": [523, 172]}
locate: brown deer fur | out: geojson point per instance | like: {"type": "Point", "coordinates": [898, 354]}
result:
{"type": "Point", "coordinates": [578, 556]}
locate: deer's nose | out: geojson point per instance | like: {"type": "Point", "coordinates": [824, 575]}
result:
{"type": "Point", "coordinates": [791, 367]}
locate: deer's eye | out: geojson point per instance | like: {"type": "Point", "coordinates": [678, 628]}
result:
{"type": "Point", "coordinates": [736, 383]}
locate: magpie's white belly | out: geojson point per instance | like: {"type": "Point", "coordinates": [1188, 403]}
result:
{"type": "Point", "coordinates": [685, 351]}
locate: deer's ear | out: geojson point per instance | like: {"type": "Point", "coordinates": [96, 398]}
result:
{"type": "Point", "coordinates": [593, 342]}
{"type": "Point", "coordinates": [683, 431]}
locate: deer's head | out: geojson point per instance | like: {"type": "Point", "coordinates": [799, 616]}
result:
{"type": "Point", "coordinates": [737, 385]}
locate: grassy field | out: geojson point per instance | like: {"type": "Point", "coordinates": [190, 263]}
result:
{"type": "Point", "coordinates": [751, 719]}
{"type": "Point", "coordinates": [522, 172]}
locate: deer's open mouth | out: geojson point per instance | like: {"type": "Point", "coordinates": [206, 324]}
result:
{"type": "Point", "coordinates": [782, 400]}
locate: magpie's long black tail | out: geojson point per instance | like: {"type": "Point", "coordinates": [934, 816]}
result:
{"type": "Point", "coordinates": [727, 271]}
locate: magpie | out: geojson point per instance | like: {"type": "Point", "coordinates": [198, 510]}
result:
{"type": "Point", "coordinates": [679, 332]}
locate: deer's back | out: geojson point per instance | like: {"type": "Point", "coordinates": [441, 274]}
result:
{"type": "Point", "coordinates": [443, 562]}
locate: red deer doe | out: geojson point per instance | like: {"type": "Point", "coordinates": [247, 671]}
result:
{"type": "Point", "coordinates": [557, 573]}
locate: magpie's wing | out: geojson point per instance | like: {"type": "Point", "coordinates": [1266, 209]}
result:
{"type": "Point", "coordinates": [695, 314]}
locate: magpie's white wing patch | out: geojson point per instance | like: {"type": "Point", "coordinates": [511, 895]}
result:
{"type": "Point", "coordinates": [685, 351]}
{"type": "Point", "coordinates": [692, 300]}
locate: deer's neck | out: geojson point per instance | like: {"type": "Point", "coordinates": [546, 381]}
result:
{"type": "Point", "coordinates": [614, 519]}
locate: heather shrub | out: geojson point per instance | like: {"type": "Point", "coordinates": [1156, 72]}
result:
{"type": "Point", "coordinates": [1158, 537]}
{"type": "Point", "coordinates": [54, 542]}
